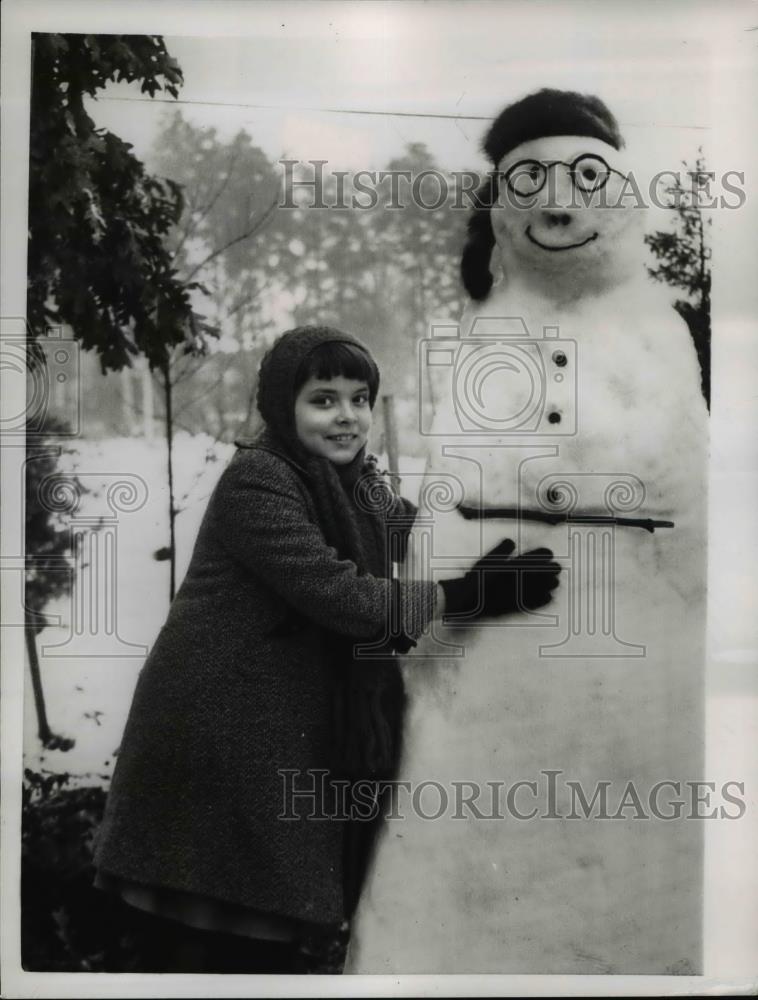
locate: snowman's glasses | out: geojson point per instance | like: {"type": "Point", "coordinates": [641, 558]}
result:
{"type": "Point", "coordinates": [588, 172]}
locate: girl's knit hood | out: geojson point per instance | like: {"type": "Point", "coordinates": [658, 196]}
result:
{"type": "Point", "coordinates": [277, 394]}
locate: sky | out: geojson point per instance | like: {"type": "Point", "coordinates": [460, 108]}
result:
{"type": "Point", "coordinates": [288, 73]}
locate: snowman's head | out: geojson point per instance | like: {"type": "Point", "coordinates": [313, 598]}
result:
{"type": "Point", "coordinates": [561, 212]}
{"type": "Point", "coordinates": [555, 205]}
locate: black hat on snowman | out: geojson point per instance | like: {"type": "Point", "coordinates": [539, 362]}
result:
{"type": "Point", "coordinates": [540, 115]}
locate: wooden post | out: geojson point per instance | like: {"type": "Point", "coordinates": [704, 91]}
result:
{"type": "Point", "coordinates": [390, 439]}
{"type": "Point", "coordinates": [169, 426]}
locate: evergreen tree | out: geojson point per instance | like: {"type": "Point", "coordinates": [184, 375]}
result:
{"type": "Point", "coordinates": [97, 259]}
{"type": "Point", "coordinates": [685, 262]}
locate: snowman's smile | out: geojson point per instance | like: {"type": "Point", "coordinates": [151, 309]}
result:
{"type": "Point", "coordinates": [560, 246]}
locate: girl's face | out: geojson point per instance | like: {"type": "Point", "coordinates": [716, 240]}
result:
{"type": "Point", "coordinates": [333, 417]}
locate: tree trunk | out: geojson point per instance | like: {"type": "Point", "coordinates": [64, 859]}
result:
{"type": "Point", "coordinates": [43, 729]}
{"type": "Point", "coordinates": [147, 403]}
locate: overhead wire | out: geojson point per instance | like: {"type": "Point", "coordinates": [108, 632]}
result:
{"type": "Point", "coordinates": [355, 111]}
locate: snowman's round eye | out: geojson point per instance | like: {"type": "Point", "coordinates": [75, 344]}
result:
{"type": "Point", "coordinates": [590, 172]}
{"type": "Point", "coordinates": [526, 177]}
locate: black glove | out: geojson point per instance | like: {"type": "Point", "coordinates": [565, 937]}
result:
{"type": "Point", "coordinates": [498, 584]}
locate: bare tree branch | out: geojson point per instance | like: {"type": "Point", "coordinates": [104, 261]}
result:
{"type": "Point", "coordinates": [193, 222]}
{"type": "Point", "coordinates": [207, 389]}
{"type": "Point", "coordinates": [237, 239]}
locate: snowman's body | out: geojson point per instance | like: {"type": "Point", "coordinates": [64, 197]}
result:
{"type": "Point", "coordinates": [605, 685]}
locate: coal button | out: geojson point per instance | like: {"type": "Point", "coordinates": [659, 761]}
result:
{"type": "Point", "coordinates": [560, 359]}
{"type": "Point", "coordinates": [554, 418]}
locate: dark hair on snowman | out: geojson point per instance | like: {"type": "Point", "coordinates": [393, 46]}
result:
{"type": "Point", "coordinates": [480, 239]}
{"type": "Point", "coordinates": [545, 113]}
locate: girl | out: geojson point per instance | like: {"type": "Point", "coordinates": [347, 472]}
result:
{"type": "Point", "coordinates": [257, 691]}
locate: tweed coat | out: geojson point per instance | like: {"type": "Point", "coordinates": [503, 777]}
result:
{"type": "Point", "coordinates": [238, 687]}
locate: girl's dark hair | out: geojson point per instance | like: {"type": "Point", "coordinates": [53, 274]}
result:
{"type": "Point", "coordinates": [335, 358]}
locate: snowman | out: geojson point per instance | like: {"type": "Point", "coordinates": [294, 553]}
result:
{"type": "Point", "coordinates": [541, 823]}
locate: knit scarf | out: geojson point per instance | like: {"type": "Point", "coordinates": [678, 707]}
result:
{"type": "Point", "coordinates": [350, 503]}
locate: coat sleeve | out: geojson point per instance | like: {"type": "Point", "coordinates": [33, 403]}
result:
{"type": "Point", "coordinates": [261, 516]}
